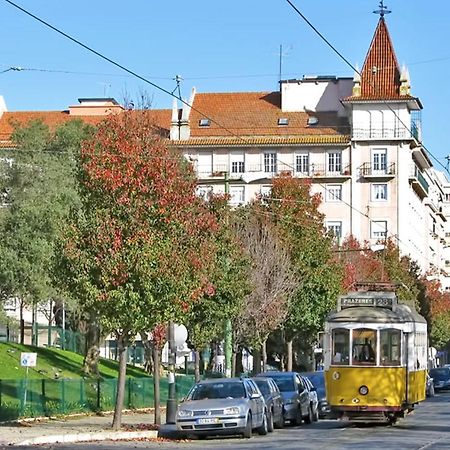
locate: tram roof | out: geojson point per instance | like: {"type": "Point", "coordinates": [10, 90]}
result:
{"type": "Point", "coordinates": [400, 314]}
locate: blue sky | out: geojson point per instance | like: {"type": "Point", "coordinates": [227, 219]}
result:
{"type": "Point", "coordinates": [215, 46]}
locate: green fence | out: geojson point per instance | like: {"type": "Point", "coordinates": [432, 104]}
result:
{"type": "Point", "coordinates": [35, 398]}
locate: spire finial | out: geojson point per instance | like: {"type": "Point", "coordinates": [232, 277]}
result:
{"type": "Point", "coordinates": [383, 9]}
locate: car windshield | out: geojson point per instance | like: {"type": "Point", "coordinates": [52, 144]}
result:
{"type": "Point", "coordinates": [263, 386]}
{"type": "Point", "coordinates": [285, 384]}
{"type": "Point", "coordinates": [203, 391]}
{"type": "Point", "coordinates": [317, 380]}
{"type": "Point", "coordinates": [440, 374]}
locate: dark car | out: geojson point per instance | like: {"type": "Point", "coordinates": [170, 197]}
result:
{"type": "Point", "coordinates": [318, 380]}
{"type": "Point", "coordinates": [274, 402]}
{"type": "Point", "coordinates": [441, 377]}
{"type": "Point", "coordinates": [295, 395]}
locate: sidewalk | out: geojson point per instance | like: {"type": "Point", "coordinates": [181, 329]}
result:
{"type": "Point", "coordinates": [82, 429]}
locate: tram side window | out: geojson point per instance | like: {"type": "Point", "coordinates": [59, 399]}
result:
{"type": "Point", "coordinates": [364, 346]}
{"type": "Point", "coordinates": [341, 344]}
{"type": "Point", "coordinates": [390, 347]}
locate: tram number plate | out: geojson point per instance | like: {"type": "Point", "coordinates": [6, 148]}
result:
{"type": "Point", "coordinates": [366, 301]}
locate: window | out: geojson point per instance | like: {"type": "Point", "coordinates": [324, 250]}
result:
{"type": "Point", "coordinates": [335, 228]}
{"type": "Point", "coordinates": [302, 163]}
{"type": "Point", "coordinates": [237, 195]}
{"type": "Point", "coordinates": [340, 346]}
{"type": "Point", "coordinates": [364, 350]}
{"type": "Point", "coordinates": [333, 192]}
{"type": "Point", "coordinates": [283, 121]}
{"type": "Point", "coordinates": [334, 163]}
{"type": "Point", "coordinates": [379, 160]}
{"type": "Point", "coordinates": [265, 191]}
{"type": "Point", "coordinates": [390, 347]}
{"type": "Point", "coordinates": [204, 192]}
{"type": "Point", "coordinates": [204, 122]}
{"type": "Point", "coordinates": [379, 192]}
{"type": "Point", "coordinates": [237, 162]}
{"type": "Point", "coordinates": [270, 162]}
{"type": "Point", "coordinates": [378, 229]}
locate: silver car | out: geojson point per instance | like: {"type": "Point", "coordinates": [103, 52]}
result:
{"type": "Point", "coordinates": [223, 406]}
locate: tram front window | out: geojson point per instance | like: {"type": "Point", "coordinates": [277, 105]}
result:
{"type": "Point", "coordinates": [390, 347]}
{"type": "Point", "coordinates": [364, 346]}
{"type": "Point", "coordinates": [341, 344]}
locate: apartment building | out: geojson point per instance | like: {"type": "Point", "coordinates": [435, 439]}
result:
{"type": "Point", "coordinates": [357, 138]}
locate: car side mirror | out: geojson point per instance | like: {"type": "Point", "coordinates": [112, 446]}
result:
{"type": "Point", "coordinates": [313, 389]}
{"type": "Point", "coordinates": [300, 389]}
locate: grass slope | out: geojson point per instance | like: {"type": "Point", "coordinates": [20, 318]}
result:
{"type": "Point", "coordinates": [53, 363]}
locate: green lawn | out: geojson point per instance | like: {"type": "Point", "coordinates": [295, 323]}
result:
{"type": "Point", "coordinates": [53, 363]}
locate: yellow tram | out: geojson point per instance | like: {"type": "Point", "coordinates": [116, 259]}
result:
{"type": "Point", "coordinates": [375, 357]}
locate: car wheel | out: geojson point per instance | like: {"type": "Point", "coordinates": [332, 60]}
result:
{"type": "Point", "coordinates": [309, 416]}
{"type": "Point", "coordinates": [316, 415]}
{"type": "Point", "coordinates": [262, 430]}
{"type": "Point", "coordinates": [298, 418]}
{"type": "Point", "coordinates": [270, 424]}
{"type": "Point", "coordinates": [280, 422]}
{"type": "Point", "coordinates": [247, 434]}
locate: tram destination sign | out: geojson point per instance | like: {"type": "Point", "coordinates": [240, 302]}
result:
{"type": "Point", "coordinates": [383, 302]}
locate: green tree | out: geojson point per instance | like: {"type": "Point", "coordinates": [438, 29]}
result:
{"type": "Point", "coordinates": [40, 190]}
{"type": "Point", "coordinates": [300, 224]}
{"type": "Point", "coordinates": [139, 252]}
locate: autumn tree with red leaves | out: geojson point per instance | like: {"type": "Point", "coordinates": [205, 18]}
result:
{"type": "Point", "coordinates": [139, 252]}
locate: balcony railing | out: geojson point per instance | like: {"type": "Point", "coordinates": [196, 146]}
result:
{"type": "Point", "coordinates": [418, 182]}
{"type": "Point", "coordinates": [271, 170]}
{"type": "Point", "coordinates": [371, 170]}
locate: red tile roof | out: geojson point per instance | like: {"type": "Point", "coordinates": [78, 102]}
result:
{"type": "Point", "coordinates": [257, 114]}
{"type": "Point", "coordinates": [380, 75]}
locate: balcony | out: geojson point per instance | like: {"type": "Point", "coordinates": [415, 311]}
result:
{"type": "Point", "coordinates": [418, 182]}
{"type": "Point", "coordinates": [368, 170]}
{"type": "Point", "coordinates": [253, 172]}
{"type": "Point", "coordinates": [381, 132]}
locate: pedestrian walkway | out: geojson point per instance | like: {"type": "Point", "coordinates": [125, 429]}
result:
{"type": "Point", "coordinates": [136, 425]}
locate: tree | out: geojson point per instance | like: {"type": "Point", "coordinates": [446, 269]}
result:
{"type": "Point", "coordinates": [139, 251]}
{"type": "Point", "coordinates": [40, 190]}
{"type": "Point", "coordinates": [300, 224]}
{"type": "Point", "coordinates": [271, 277]}
{"type": "Point", "coordinates": [229, 277]}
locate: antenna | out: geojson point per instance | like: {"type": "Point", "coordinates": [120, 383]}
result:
{"type": "Point", "coordinates": [383, 9]}
{"type": "Point", "coordinates": [178, 80]}
{"type": "Point", "coordinates": [281, 55]}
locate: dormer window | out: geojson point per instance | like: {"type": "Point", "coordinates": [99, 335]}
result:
{"type": "Point", "coordinates": [313, 121]}
{"type": "Point", "coordinates": [283, 121]}
{"type": "Point", "coordinates": [204, 123]}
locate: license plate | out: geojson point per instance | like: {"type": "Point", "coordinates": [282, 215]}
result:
{"type": "Point", "coordinates": [207, 421]}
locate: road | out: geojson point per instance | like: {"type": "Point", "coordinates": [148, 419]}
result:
{"type": "Point", "coordinates": [428, 428]}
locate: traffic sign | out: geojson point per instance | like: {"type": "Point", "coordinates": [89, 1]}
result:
{"type": "Point", "coordinates": [28, 359]}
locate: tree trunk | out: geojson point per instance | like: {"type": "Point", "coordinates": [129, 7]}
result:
{"type": "Point", "coordinates": [197, 366]}
{"type": "Point", "coordinates": [92, 357]}
{"type": "Point", "coordinates": [122, 345]}
{"type": "Point", "coordinates": [149, 363]}
{"type": "Point", "coordinates": [22, 323]}
{"type": "Point", "coordinates": [289, 355]}
{"type": "Point", "coordinates": [156, 390]}
{"type": "Point", "coordinates": [264, 355]}
{"type": "Point", "coordinates": [233, 363]}
{"type": "Point", "coordinates": [256, 361]}
{"type": "Point", "coordinates": [239, 362]}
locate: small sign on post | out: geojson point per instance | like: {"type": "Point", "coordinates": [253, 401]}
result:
{"type": "Point", "coordinates": [27, 360]}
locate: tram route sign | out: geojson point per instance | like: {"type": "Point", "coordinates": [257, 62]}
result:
{"type": "Point", "coordinates": [383, 302]}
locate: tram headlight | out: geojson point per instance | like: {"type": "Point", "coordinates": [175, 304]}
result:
{"type": "Point", "coordinates": [363, 390]}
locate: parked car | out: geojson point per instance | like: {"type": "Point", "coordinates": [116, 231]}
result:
{"type": "Point", "coordinates": [313, 397]}
{"type": "Point", "coordinates": [223, 406]}
{"type": "Point", "coordinates": [274, 402]}
{"type": "Point", "coordinates": [441, 377]}
{"type": "Point", "coordinates": [318, 380]}
{"type": "Point", "coordinates": [295, 395]}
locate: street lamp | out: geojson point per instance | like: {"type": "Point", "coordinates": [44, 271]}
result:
{"type": "Point", "coordinates": [177, 338]}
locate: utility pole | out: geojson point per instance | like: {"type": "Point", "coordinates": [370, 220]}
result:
{"type": "Point", "coordinates": [228, 331]}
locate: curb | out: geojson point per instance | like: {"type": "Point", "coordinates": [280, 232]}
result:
{"type": "Point", "coordinates": [87, 437]}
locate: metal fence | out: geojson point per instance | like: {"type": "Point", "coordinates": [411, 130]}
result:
{"type": "Point", "coordinates": [37, 398]}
